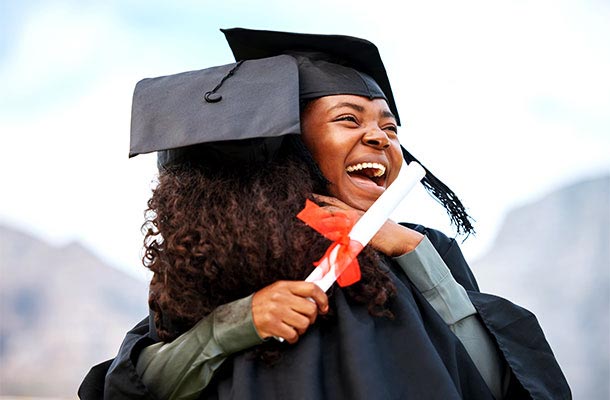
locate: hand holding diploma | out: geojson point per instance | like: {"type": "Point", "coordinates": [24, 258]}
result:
{"type": "Point", "coordinates": [391, 239]}
{"type": "Point", "coordinates": [285, 309]}
{"type": "Point", "coordinates": [331, 267]}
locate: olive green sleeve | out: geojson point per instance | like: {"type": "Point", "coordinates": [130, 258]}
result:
{"type": "Point", "coordinates": [183, 368]}
{"type": "Point", "coordinates": [428, 272]}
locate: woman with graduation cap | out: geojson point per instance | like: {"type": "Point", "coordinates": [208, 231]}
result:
{"type": "Point", "coordinates": [229, 255]}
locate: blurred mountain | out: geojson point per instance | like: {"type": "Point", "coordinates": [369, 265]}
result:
{"type": "Point", "coordinates": [62, 310]}
{"type": "Point", "coordinates": [553, 258]}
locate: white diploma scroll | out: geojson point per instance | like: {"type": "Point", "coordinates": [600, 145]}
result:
{"type": "Point", "coordinates": [373, 219]}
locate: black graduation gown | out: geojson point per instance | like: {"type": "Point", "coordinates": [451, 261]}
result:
{"type": "Point", "coordinates": [355, 356]}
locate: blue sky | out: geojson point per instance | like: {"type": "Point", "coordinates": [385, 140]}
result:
{"type": "Point", "coordinates": [504, 101]}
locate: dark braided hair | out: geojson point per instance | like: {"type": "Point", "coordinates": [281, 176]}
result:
{"type": "Point", "coordinates": [445, 196]}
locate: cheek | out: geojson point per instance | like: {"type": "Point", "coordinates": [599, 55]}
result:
{"type": "Point", "coordinates": [331, 170]}
{"type": "Point", "coordinates": [322, 152]}
{"type": "Point", "coordinates": [315, 143]}
{"type": "Point", "coordinates": [331, 162]}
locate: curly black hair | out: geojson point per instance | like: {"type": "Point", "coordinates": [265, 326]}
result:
{"type": "Point", "coordinates": [217, 233]}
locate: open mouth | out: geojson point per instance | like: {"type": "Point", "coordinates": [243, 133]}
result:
{"type": "Point", "coordinates": [368, 172]}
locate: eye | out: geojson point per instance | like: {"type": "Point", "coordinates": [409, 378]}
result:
{"type": "Point", "coordinates": [392, 128]}
{"type": "Point", "coordinates": [346, 118]}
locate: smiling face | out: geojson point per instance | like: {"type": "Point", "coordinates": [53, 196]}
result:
{"type": "Point", "coordinates": [354, 142]}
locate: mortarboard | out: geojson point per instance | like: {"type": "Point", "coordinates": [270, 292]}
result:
{"type": "Point", "coordinates": [328, 64]}
{"type": "Point", "coordinates": [237, 111]}
{"type": "Point", "coordinates": [241, 112]}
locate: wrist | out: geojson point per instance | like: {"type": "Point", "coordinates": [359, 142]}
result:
{"type": "Point", "coordinates": [410, 240]}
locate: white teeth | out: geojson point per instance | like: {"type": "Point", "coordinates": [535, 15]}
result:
{"type": "Point", "coordinates": [380, 168]}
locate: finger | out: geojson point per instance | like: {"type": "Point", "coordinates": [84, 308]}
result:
{"type": "Point", "coordinates": [297, 321]}
{"type": "Point", "coordinates": [305, 306]}
{"type": "Point", "coordinates": [312, 291]}
{"type": "Point", "coordinates": [333, 209]}
{"type": "Point", "coordinates": [297, 295]}
{"type": "Point", "coordinates": [320, 298]}
{"type": "Point", "coordinates": [287, 333]}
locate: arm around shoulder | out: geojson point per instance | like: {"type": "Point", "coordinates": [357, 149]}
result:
{"type": "Point", "coordinates": [183, 368]}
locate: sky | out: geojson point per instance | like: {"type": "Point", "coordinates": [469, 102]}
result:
{"type": "Point", "coordinates": [504, 101]}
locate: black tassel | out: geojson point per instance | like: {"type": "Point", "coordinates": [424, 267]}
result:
{"type": "Point", "coordinates": [445, 196]}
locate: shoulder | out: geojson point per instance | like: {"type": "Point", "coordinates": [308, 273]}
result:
{"type": "Point", "coordinates": [117, 378]}
{"type": "Point", "coordinates": [450, 252]}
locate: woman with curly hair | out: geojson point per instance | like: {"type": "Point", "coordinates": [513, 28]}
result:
{"type": "Point", "coordinates": [229, 256]}
{"type": "Point", "coordinates": [218, 235]}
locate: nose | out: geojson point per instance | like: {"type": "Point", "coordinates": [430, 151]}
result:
{"type": "Point", "coordinates": [376, 138]}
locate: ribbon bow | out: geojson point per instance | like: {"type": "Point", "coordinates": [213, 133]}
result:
{"type": "Point", "coordinates": [336, 227]}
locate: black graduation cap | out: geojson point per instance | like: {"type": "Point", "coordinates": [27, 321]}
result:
{"type": "Point", "coordinates": [328, 64]}
{"type": "Point", "coordinates": [234, 112]}
{"type": "Point", "coordinates": [241, 112]}
{"type": "Point", "coordinates": [336, 64]}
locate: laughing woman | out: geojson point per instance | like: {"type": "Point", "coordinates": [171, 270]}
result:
{"type": "Point", "coordinates": [229, 255]}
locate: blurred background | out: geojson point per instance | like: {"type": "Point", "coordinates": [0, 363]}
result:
{"type": "Point", "coordinates": [507, 102]}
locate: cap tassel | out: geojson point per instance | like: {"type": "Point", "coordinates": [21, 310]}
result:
{"type": "Point", "coordinates": [444, 195]}
{"type": "Point", "coordinates": [211, 96]}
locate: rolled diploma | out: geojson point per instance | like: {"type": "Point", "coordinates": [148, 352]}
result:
{"type": "Point", "coordinates": [373, 219]}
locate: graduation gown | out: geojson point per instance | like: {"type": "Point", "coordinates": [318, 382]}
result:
{"type": "Point", "coordinates": [356, 356]}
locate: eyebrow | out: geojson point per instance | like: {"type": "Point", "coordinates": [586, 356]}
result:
{"type": "Point", "coordinates": [349, 105]}
{"type": "Point", "coordinates": [387, 114]}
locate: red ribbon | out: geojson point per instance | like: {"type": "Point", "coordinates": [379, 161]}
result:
{"type": "Point", "coordinates": [336, 227]}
